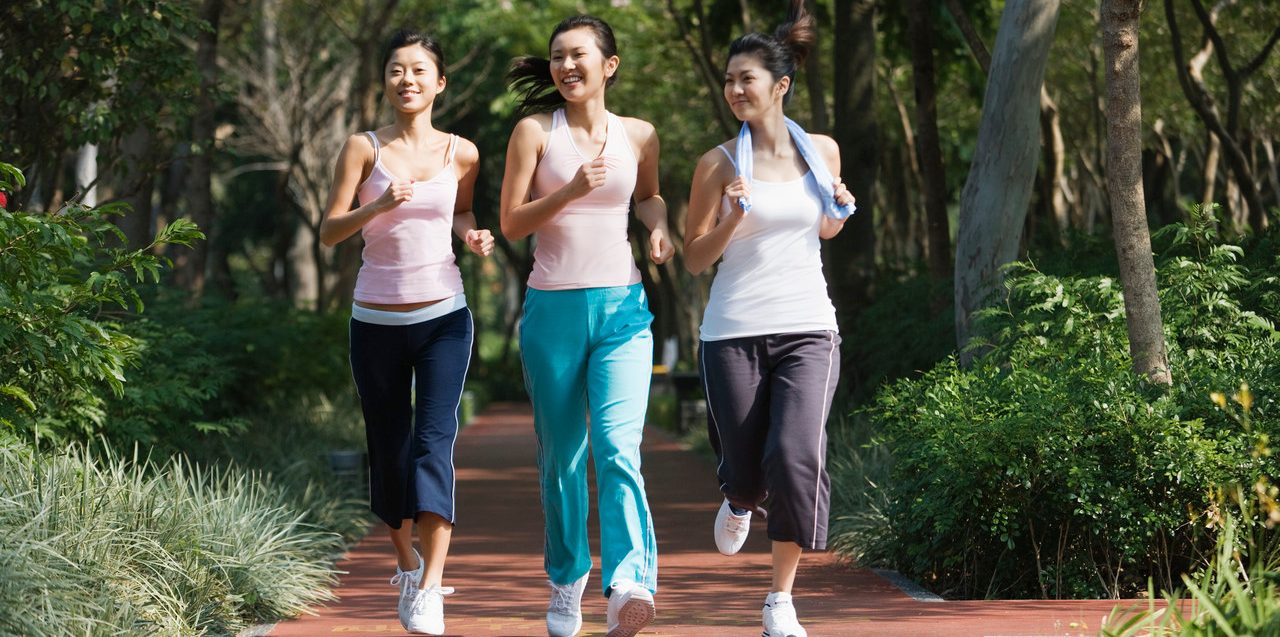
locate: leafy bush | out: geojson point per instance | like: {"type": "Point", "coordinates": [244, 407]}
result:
{"type": "Point", "coordinates": [1049, 468]}
{"type": "Point", "coordinates": [60, 272]}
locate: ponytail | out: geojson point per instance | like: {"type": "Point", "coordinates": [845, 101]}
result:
{"type": "Point", "coordinates": [798, 32]}
{"type": "Point", "coordinates": [530, 79]}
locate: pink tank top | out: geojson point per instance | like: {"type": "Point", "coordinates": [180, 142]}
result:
{"type": "Point", "coordinates": [586, 244]}
{"type": "Point", "coordinates": [408, 250]}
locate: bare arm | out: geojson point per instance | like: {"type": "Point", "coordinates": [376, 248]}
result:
{"type": "Point", "coordinates": [340, 221]}
{"type": "Point", "coordinates": [519, 216]}
{"type": "Point", "coordinates": [831, 155]}
{"type": "Point", "coordinates": [705, 235]}
{"type": "Point", "coordinates": [651, 209]}
{"type": "Point", "coordinates": [479, 241]}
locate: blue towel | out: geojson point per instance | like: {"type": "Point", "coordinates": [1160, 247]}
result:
{"type": "Point", "coordinates": [804, 143]}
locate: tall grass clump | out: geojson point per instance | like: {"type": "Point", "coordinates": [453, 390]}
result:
{"type": "Point", "coordinates": [1048, 468]}
{"type": "Point", "coordinates": [101, 544]}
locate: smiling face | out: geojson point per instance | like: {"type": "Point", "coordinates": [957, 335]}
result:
{"type": "Point", "coordinates": [578, 67]}
{"type": "Point", "coordinates": [750, 89]}
{"type": "Point", "coordinates": [412, 78]}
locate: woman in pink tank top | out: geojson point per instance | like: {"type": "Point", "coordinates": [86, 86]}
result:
{"type": "Point", "coordinates": [573, 171]}
{"type": "Point", "coordinates": [411, 331]}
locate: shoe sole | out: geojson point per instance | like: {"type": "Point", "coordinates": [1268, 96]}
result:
{"type": "Point", "coordinates": [633, 617]}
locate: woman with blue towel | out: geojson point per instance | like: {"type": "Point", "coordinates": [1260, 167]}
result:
{"type": "Point", "coordinates": [770, 355]}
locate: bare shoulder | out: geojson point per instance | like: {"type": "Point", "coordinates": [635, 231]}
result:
{"type": "Point", "coordinates": [536, 125]}
{"type": "Point", "coordinates": [467, 152]}
{"type": "Point", "coordinates": [716, 161]}
{"type": "Point", "coordinates": [827, 146]}
{"type": "Point", "coordinates": [636, 125]}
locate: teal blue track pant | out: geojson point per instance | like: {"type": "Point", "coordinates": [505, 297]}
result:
{"type": "Point", "coordinates": [590, 351]}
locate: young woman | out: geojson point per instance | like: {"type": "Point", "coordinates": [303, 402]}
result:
{"type": "Point", "coordinates": [411, 330]}
{"type": "Point", "coordinates": [770, 353]}
{"type": "Point", "coordinates": [571, 175]}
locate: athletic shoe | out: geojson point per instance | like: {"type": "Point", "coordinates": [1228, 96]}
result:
{"type": "Point", "coordinates": [731, 529]}
{"type": "Point", "coordinates": [630, 609]}
{"type": "Point", "coordinates": [564, 613]}
{"type": "Point", "coordinates": [426, 613]}
{"type": "Point", "coordinates": [780, 617]}
{"type": "Point", "coordinates": [408, 581]}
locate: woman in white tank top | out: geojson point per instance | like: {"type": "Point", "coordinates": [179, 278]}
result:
{"type": "Point", "coordinates": [769, 358]}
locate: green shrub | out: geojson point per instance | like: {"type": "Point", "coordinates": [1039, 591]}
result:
{"type": "Point", "coordinates": [1048, 468]}
{"type": "Point", "coordinates": [59, 274]}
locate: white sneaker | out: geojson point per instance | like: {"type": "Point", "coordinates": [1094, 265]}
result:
{"type": "Point", "coordinates": [731, 529]}
{"type": "Point", "coordinates": [780, 617]}
{"type": "Point", "coordinates": [630, 609]}
{"type": "Point", "coordinates": [426, 612]}
{"type": "Point", "coordinates": [408, 581]}
{"type": "Point", "coordinates": [564, 613]}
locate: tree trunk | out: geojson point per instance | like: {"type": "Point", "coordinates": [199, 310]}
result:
{"type": "Point", "coordinates": [1124, 187]}
{"type": "Point", "coordinates": [191, 265]}
{"type": "Point", "coordinates": [815, 81]}
{"type": "Point", "coordinates": [929, 150]}
{"type": "Point", "coordinates": [994, 203]}
{"type": "Point", "coordinates": [850, 257]}
{"type": "Point", "coordinates": [135, 185]}
{"type": "Point", "coordinates": [1055, 180]}
{"type": "Point", "coordinates": [87, 175]}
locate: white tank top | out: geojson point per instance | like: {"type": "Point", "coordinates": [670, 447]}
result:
{"type": "Point", "coordinates": [770, 278]}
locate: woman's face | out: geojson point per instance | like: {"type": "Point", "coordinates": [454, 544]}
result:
{"type": "Point", "coordinates": [411, 78]}
{"type": "Point", "coordinates": [578, 67]}
{"type": "Point", "coordinates": [750, 88]}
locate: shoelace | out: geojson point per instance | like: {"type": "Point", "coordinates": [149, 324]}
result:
{"type": "Point", "coordinates": [432, 594]}
{"type": "Point", "coordinates": [737, 524]}
{"type": "Point", "coordinates": [562, 598]}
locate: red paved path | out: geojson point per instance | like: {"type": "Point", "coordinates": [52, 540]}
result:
{"type": "Point", "coordinates": [496, 564]}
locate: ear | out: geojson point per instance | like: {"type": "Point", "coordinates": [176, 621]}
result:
{"type": "Point", "coordinates": [440, 83]}
{"type": "Point", "coordinates": [611, 66]}
{"type": "Point", "coordinates": [783, 85]}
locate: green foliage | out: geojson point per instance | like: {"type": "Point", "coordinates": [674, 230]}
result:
{"type": "Point", "coordinates": [210, 368]}
{"type": "Point", "coordinates": [1049, 468]}
{"type": "Point", "coordinates": [78, 73]}
{"type": "Point", "coordinates": [98, 544]}
{"type": "Point", "coordinates": [59, 275]}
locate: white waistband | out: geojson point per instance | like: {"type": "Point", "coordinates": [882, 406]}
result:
{"type": "Point", "coordinates": [420, 315]}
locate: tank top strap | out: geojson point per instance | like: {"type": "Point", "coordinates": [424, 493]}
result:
{"type": "Point", "coordinates": [453, 149]}
{"type": "Point", "coordinates": [618, 135]}
{"type": "Point", "coordinates": [373, 137]}
{"type": "Point", "coordinates": [728, 154]}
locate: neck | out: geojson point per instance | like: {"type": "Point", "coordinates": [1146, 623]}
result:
{"type": "Point", "coordinates": [589, 115]}
{"type": "Point", "coordinates": [769, 134]}
{"type": "Point", "coordinates": [414, 127]}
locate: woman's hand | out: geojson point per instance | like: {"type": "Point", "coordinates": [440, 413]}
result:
{"type": "Point", "coordinates": [842, 194]}
{"type": "Point", "coordinates": [479, 242]}
{"type": "Point", "coordinates": [396, 193]}
{"type": "Point", "coordinates": [590, 176]}
{"type": "Point", "coordinates": [738, 190]}
{"type": "Point", "coordinates": [660, 247]}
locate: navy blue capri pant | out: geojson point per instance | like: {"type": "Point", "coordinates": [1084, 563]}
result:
{"type": "Point", "coordinates": [410, 382]}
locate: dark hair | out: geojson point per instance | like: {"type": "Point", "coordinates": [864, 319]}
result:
{"type": "Point", "coordinates": [409, 37]}
{"type": "Point", "coordinates": [784, 51]}
{"type": "Point", "coordinates": [530, 76]}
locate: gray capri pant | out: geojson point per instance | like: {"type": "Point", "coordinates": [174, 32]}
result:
{"type": "Point", "coordinates": [768, 398]}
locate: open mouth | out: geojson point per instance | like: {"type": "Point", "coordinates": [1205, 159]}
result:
{"type": "Point", "coordinates": [571, 79]}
